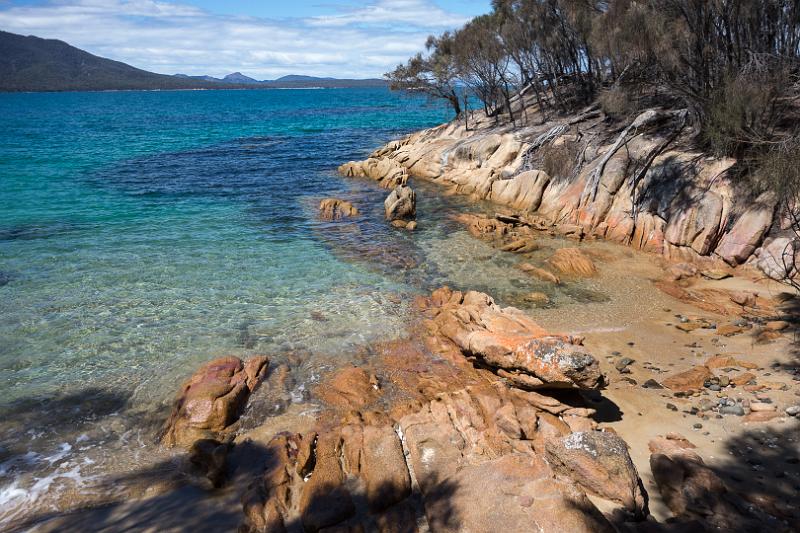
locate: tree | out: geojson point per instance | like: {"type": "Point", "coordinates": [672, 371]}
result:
{"type": "Point", "coordinates": [482, 64]}
{"type": "Point", "coordinates": [434, 74]}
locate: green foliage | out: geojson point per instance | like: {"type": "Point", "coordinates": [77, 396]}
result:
{"type": "Point", "coordinates": [433, 74]}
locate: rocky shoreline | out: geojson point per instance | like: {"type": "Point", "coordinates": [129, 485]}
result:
{"type": "Point", "coordinates": [481, 419]}
{"type": "Point", "coordinates": [486, 399]}
{"type": "Point", "coordinates": [640, 185]}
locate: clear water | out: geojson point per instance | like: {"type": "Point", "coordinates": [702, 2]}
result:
{"type": "Point", "coordinates": [142, 233]}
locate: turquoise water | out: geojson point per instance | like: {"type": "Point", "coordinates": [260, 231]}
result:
{"type": "Point", "coordinates": [143, 233]}
{"type": "Point", "coordinates": [139, 229]}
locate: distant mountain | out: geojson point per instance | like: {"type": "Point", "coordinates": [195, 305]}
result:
{"type": "Point", "coordinates": [204, 78]}
{"type": "Point", "coordinates": [292, 78]}
{"type": "Point", "coordinates": [293, 81]}
{"type": "Point", "coordinates": [238, 77]}
{"type": "Point", "coordinates": [35, 64]}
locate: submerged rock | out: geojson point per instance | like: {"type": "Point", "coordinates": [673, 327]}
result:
{"type": "Point", "coordinates": [572, 262]}
{"type": "Point", "coordinates": [540, 273]}
{"type": "Point", "coordinates": [335, 209]}
{"type": "Point", "coordinates": [212, 400]}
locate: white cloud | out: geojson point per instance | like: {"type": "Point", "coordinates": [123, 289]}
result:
{"type": "Point", "coordinates": [171, 37]}
{"type": "Point", "coordinates": [415, 13]}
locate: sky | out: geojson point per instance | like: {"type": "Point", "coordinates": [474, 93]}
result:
{"type": "Point", "coordinates": [262, 39]}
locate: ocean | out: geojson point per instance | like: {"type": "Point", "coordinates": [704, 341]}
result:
{"type": "Point", "coordinates": [144, 233]}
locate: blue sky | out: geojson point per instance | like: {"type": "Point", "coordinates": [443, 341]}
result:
{"type": "Point", "coordinates": [263, 39]}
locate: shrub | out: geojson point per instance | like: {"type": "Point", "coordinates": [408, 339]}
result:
{"type": "Point", "coordinates": [616, 103]}
{"type": "Point", "coordinates": [559, 161]}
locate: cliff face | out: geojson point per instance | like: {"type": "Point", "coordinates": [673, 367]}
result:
{"type": "Point", "coordinates": [639, 185]}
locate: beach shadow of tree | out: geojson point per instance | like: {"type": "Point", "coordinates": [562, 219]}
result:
{"type": "Point", "coordinates": [185, 502]}
{"type": "Point", "coordinates": [789, 312]}
{"type": "Point", "coordinates": [763, 467]}
{"type": "Point", "coordinates": [761, 463]}
{"type": "Point", "coordinates": [55, 414]}
{"type": "Point", "coordinates": [359, 513]}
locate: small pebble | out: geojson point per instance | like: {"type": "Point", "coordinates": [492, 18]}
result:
{"type": "Point", "coordinates": [652, 384]}
{"type": "Point", "coordinates": [736, 410]}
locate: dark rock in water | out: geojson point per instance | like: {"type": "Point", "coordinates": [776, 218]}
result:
{"type": "Point", "coordinates": [5, 278]}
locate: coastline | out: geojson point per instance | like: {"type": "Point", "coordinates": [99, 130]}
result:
{"type": "Point", "coordinates": [644, 188]}
{"type": "Point", "coordinates": [396, 369]}
{"type": "Point", "coordinates": [377, 404]}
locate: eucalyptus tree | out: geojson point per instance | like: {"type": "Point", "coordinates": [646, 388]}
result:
{"type": "Point", "coordinates": [434, 73]}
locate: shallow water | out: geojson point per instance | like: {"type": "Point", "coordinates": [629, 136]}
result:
{"type": "Point", "coordinates": [144, 233]}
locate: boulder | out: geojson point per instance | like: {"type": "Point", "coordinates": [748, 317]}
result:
{"type": "Point", "coordinates": [335, 209]}
{"type": "Point", "coordinates": [776, 258]}
{"type": "Point", "coordinates": [738, 244]}
{"type": "Point", "coordinates": [505, 339]}
{"type": "Point", "coordinates": [696, 221]}
{"type": "Point", "coordinates": [599, 462]}
{"type": "Point", "coordinates": [511, 493]}
{"type": "Point", "coordinates": [523, 191]}
{"type": "Point", "coordinates": [349, 388]}
{"type": "Point", "coordinates": [572, 262]}
{"type": "Point", "coordinates": [210, 458]}
{"type": "Point", "coordinates": [401, 204]}
{"type": "Point", "coordinates": [540, 273]}
{"type": "Point", "coordinates": [383, 468]}
{"type": "Point", "coordinates": [461, 448]}
{"type": "Point", "coordinates": [212, 400]}
{"type": "Point", "coordinates": [325, 499]}
{"type": "Point", "coordinates": [387, 172]}
{"type": "Point", "coordinates": [681, 271]}
{"type": "Point", "coordinates": [693, 491]}
{"type": "Point", "coordinates": [692, 379]}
